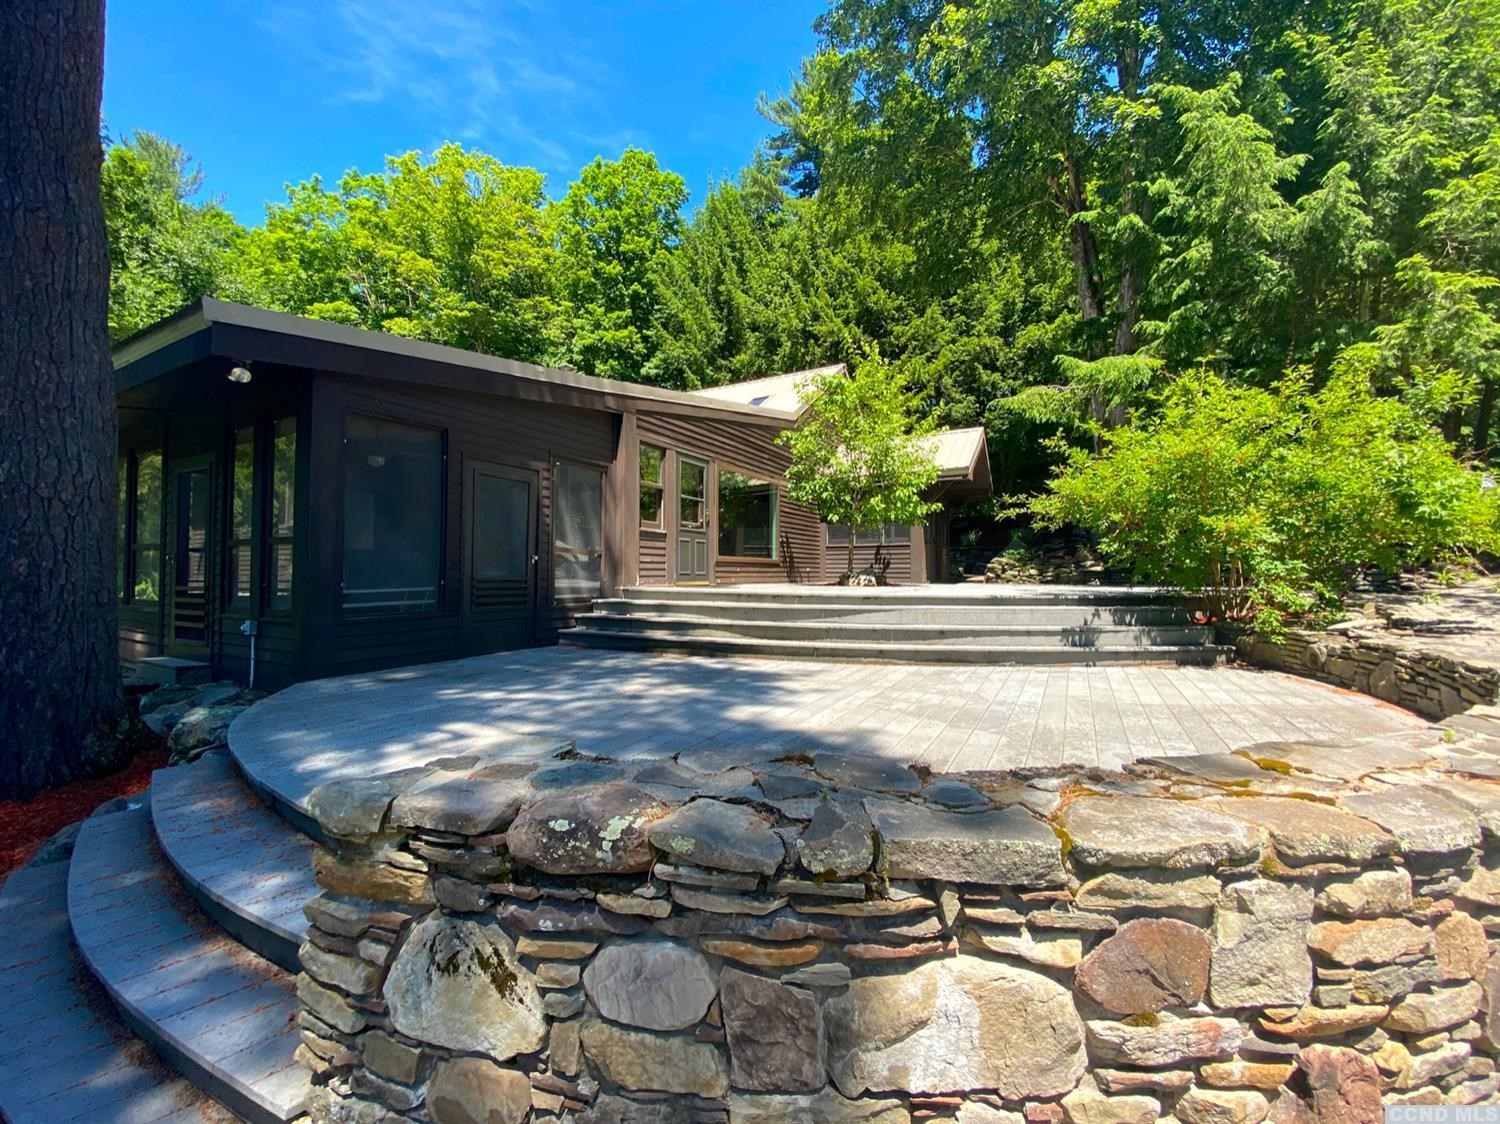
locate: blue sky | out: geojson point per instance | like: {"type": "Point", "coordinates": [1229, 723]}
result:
{"type": "Point", "coordinates": [270, 92]}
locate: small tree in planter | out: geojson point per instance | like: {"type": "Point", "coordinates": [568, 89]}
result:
{"type": "Point", "coordinates": [856, 459]}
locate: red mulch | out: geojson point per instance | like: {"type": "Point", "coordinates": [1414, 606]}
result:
{"type": "Point", "coordinates": [26, 824]}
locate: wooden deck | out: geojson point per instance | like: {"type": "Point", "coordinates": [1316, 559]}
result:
{"type": "Point", "coordinates": [952, 718]}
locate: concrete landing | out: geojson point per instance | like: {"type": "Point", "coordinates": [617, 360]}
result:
{"type": "Point", "coordinates": [952, 718]}
{"type": "Point", "coordinates": [66, 1057]}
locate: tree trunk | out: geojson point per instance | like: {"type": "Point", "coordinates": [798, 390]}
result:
{"type": "Point", "coordinates": [59, 671]}
{"type": "Point", "coordinates": [849, 573]}
{"type": "Point", "coordinates": [1484, 417]}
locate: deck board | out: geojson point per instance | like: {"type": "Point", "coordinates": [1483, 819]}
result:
{"type": "Point", "coordinates": [641, 704]}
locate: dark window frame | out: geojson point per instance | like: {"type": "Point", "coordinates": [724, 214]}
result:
{"type": "Point", "coordinates": [883, 531]}
{"type": "Point", "coordinates": [440, 606]}
{"type": "Point", "coordinates": [245, 602]}
{"type": "Point", "coordinates": [272, 537]}
{"type": "Point", "coordinates": [659, 486]}
{"type": "Point", "coordinates": [721, 467]}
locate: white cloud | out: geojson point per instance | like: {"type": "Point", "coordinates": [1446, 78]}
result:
{"type": "Point", "coordinates": [504, 74]}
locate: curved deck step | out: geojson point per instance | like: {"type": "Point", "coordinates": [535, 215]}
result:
{"type": "Point", "coordinates": [249, 869]}
{"type": "Point", "coordinates": [66, 1056]}
{"type": "Point", "coordinates": [904, 653]}
{"type": "Point", "coordinates": [925, 634]}
{"type": "Point", "coordinates": [220, 1015]}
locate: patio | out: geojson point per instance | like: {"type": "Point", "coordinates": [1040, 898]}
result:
{"type": "Point", "coordinates": [952, 718]}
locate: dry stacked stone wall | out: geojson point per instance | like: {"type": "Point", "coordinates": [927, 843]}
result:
{"type": "Point", "coordinates": [1409, 674]}
{"type": "Point", "coordinates": [1295, 933]}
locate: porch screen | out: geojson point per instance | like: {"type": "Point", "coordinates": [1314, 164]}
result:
{"type": "Point", "coordinates": [578, 532]}
{"type": "Point", "coordinates": [393, 503]}
{"type": "Point", "coordinates": [747, 516]}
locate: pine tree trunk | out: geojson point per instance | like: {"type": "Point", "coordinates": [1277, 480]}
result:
{"type": "Point", "coordinates": [59, 671]}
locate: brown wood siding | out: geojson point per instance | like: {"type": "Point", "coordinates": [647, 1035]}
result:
{"type": "Point", "coordinates": [479, 428]}
{"type": "Point", "coordinates": [748, 448]}
{"type": "Point", "coordinates": [836, 557]}
{"type": "Point", "coordinates": [653, 557]}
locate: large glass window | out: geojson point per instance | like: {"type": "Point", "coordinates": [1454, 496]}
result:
{"type": "Point", "coordinates": [692, 501]}
{"type": "Point", "coordinates": [578, 532]}
{"type": "Point", "coordinates": [146, 534]}
{"type": "Point", "coordinates": [242, 521]}
{"type": "Point", "coordinates": [393, 500]}
{"type": "Point", "coordinates": [747, 516]}
{"type": "Point", "coordinates": [283, 512]}
{"type": "Point", "coordinates": [887, 535]}
{"type": "Point", "coordinates": [651, 485]}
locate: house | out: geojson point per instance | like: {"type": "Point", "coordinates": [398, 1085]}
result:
{"type": "Point", "coordinates": [336, 500]}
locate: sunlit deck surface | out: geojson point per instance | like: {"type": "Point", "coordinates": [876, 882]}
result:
{"type": "Point", "coordinates": [630, 704]}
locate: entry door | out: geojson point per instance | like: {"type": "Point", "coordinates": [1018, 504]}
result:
{"type": "Point", "coordinates": [500, 558]}
{"type": "Point", "coordinates": [692, 521]}
{"type": "Point", "coordinates": [192, 513]}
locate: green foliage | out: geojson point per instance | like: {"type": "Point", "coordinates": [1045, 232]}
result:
{"type": "Point", "coordinates": [1266, 498]}
{"type": "Point", "coordinates": [456, 248]}
{"type": "Point", "coordinates": [855, 458]}
{"type": "Point", "coordinates": [618, 221]}
{"type": "Point", "coordinates": [165, 250]}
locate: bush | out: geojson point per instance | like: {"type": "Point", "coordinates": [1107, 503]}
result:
{"type": "Point", "coordinates": [1267, 500]}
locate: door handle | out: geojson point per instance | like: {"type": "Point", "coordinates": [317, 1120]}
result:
{"type": "Point", "coordinates": [535, 558]}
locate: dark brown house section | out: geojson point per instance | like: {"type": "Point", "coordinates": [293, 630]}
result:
{"type": "Point", "coordinates": [301, 499]}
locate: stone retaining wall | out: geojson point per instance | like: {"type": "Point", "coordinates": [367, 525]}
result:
{"type": "Point", "coordinates": [1286, 934]}
{"type": "Point", "coordinates": [1428, 682]}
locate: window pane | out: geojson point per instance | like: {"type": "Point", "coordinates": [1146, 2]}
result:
{"type": "Point", "coordinates": [867, 538]}
{"type": "Point", "coordinates": [393, 499]}
{"type": "Point", "coordinates": [147, 574]}
{"type": "Point", "coordinates": [651, 458]}
{"type": "Point", "coordinates": [241, 577]}
{"type": "Point", "coordinates": [747, 516]}
{"type": "Point", "coordinates": [651, 506]}
{"type": "Point", "coordinates": [122, 527]}
{"type": "Point", "coordinates": [578, 532]}
{"type": "Point", "coordinates": [838, 534]}
{"type": "Point", "coordinates": [148, 499]}
{"type": "Point", "coordinates": [284, 477]}
{"type": "Point", "coordinates": [898, 533]}
{"type": "Point", "coordinates": [281, 574]}
{"type": "Point", "coordinates": [502, 507]}
{"type": "Point", "coordinates": [243, 497]}
{"type": "Point", "coordinates": [692, 508]}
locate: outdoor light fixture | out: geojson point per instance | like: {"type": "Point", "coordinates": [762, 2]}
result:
{"type": "Point", "coordinates": [240, 375]}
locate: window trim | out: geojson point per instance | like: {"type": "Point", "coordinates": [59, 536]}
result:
{"type": "Point", "coordinates": [440, 606]}
{"type": "Point", "coordinates": [659, 487]}
{"type": "Point", "coordinates": [249, 605]}
{"type": "Point", "coordinates": [721, 467]}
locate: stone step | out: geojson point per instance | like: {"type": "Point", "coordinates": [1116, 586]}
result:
{"type": "Point", "coordinates": [66, 1055]}
{"type": "Point", "coordinates": [903, 653]}
{"type": "Point", "coordinates": [904, 611]}
{"type": "Point", "coordinates": [172, 670]}
{"type": "Point", "coordinates": [927, 635]}
{"type": "Point", "coordinates": [911, 595]}
{"type": "Point", "coordinates": [249, 869]}
{"type": "Point", "coordinates": [216, 1012]}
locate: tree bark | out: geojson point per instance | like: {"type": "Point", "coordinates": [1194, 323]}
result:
{"type": "Point", "coordinates": [1484, 417]}
{"type": "Point", "coordinates": [59, 670]}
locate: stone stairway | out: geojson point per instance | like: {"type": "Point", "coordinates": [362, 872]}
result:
{"type": "Point", "coordinates": [152, 976]}
{"type": "Point", "coordinates": [1013, 625]}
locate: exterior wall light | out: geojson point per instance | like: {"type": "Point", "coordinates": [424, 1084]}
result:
{"type": "Point", "coordinates": [240, 375]}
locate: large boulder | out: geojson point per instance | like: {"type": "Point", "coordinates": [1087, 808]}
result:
{"type": "Point", "coordinates": [949, 1026]}
{"type": "Point", "coordinates": [457, 983]}
{"type": "Point", "coordinates": [595, 829]}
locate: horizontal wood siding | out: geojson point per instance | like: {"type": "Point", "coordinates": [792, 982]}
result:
{"type": "Point", "coordinates": [276, 655]}
{"type": "Point", "coordinates": [653, 557]}
{"type": "Point", "coordinates": [479, 428]}
{"type": "Point", "coordinates": [746, 448]}
{"type": "Point", "coordinates": [836, 558]}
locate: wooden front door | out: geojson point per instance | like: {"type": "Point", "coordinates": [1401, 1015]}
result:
{"type": "Point", "coordinates": [692, 522]}
{"type": "Point", "coordinates": [188, 564]}
{"type": "Point", "coordinates": [500, 558]}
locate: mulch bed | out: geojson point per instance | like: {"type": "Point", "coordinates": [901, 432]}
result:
{"type": "Point", "coordinates": [26, 824]}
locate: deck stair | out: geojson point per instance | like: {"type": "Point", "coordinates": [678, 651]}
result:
{"type": "Point", "coordinates": [151, 977]}
{"type": "Point", "coordinates": [991, 625]}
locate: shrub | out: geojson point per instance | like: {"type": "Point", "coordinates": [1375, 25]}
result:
{"type": "Point", "coordinates": [1266, 500]}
